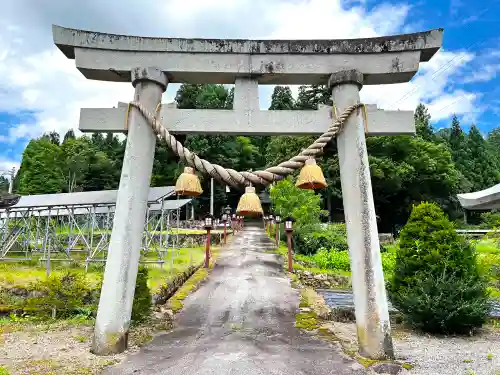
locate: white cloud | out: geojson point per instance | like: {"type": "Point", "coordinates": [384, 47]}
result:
{"type": "Point", "coordinates": [39, 78]}
{"type": "Point", "coordinates": [483, 74]}
{"type": "Point", "coordinates": [6, 166]}
{"type": "Point", "coordinates": [432, 86]}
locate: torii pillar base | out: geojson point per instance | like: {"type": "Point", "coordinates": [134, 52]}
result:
{"type": "Point", "coordinates": [370, 301]}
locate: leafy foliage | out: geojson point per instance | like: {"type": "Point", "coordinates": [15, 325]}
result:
{"type": "Point", "coordinates": [436, 283]}
{"type": "Point", "coordinates": [303, 205]}
{"type": "Point", "coordinates": [4, 184]}
{"type": "Point", "coordinates": [310, 239]}
{"type": "Point", "coordinates": [332, 260]}
{"type": "Point", "coordinates": [62, 295]}
{"type": "Point", "coordinates": [141, 309]}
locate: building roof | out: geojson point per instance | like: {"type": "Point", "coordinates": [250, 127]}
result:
{"type": "Point", "coordinates": [168, 205]}
{"type": "Point", "coordinates": [486, 199]}
{"type": "Point", "coordinates": [85, 198]}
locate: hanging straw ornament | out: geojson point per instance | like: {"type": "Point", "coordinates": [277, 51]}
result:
{"type": "Point", "coordinates": [188, 183]}
{"type": "Point", "coordinates": [249, 204]}
{"type": "Point", "coordinates": [311, 176]}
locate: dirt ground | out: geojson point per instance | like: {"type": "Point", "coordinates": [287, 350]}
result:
{"type": "Point", "coordinates": [62, 348]}
{"type": "Point", "coordinates": [434, 355]}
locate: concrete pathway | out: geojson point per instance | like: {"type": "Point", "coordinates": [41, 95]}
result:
{"type": "Point", "coordinates": [241, 321]}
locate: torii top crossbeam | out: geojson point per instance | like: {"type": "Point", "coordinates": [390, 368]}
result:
{"type": "Point", "coordinates": [382, 60]}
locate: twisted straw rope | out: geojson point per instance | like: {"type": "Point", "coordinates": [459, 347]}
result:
{"type": "Point", "coordinates": [235, 178]}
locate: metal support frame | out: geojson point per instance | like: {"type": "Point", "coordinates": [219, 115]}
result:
{"type": "Point", "coordinates": [62, 233]}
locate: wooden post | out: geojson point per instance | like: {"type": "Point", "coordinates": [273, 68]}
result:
{"type": "Point", "coordinates": [289, 243]}
{"type": "Point", "coordinates": [277, 234]}
{"type": "Point", "coordinates": [225, 232]}
{"type": "Point", "coordinates": [207, 250]}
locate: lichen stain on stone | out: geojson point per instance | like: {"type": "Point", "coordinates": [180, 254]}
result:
{"type": "Point", "coordinates": [393, 43]}
{"type": "Point", "coordinates": [396, 65]}
{"type": "Point", "coordinates": [388, 345]}
{"type": "Point", "coordinates": [367, 212]}
{"type": "Point", "coordinates": [114, 343]}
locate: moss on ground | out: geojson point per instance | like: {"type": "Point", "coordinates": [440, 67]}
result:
{"type": "Point", "coordinates": [311, 322]}
{"type": "Point", "coordinates": [175, 303]}
{"type": "Point", "coordinates": [307, 321]}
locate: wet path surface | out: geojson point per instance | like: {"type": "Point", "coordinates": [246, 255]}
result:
{"type": "Point", "coordinates": [241, 321]}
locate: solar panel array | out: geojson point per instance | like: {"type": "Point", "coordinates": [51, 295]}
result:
{"type": "Point", "coordinates": [168, 205]}
{"type": "Point", "coordinates": [85, 198]}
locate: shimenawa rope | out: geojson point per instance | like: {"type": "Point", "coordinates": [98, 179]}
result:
{"type": "Point", "coordinates": [235, 178]}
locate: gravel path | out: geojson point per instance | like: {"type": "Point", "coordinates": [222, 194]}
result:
{"type": "Point", "coordinates": [242, 321]}
{"type": "Point", "coordinates": [478, 355]}
{"type": "Point", "coordinates": [430, 355]}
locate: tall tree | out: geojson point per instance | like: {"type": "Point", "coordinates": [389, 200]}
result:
{"type": "Point", "coordinates": [70, 134]}
{"type": "Point", "coordinates": [282, 98]}
{"type": "Point", "coordinates": [41, 168]}
{"type": "Point", "coordinates": [53, 137]}
{"type": "Point", "coordinates": [77, 155]}
{"type": "Point", "coordinates": [423, 123]}
{"type": "Point", "coordinates": [493, 144]}
{"type": "Point", "coordinates": [409, 170]}
{"type": "Point", "coordinates": [310, 96]}
{"type": "Point", "coordinates": [480, 168]}
{"type": "Point", "coordinates": [4, 184]}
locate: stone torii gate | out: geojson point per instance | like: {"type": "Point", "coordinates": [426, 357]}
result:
{"type": "Point", "coordinates": [151, 63]}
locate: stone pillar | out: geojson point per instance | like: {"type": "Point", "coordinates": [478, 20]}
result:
{"type": "Point", "coordinates": [372, 316]}
{"type": "Point", "coordinates": [117, 294]}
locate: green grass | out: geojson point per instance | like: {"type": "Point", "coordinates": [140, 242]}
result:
{"type": "Point", "coordinates": [488, 258]}
{"type": "Point", "coordinates": [18, 275]}
{"type": "Point", "coordinates": [182, 260]}
{"type": "Point", "coordinates": [487, 246]}
{"type": "Point", "coordinates": [21, 274]}
{"type": "Point", "coordinates": [65, 231]}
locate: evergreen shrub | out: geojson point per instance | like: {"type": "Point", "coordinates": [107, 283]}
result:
{"type": "Point", "coordinates": [436, 283]}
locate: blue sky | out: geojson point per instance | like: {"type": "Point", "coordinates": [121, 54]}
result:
{"type": "Point", "coordinates": [42, 91]}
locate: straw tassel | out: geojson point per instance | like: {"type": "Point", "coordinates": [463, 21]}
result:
{"type": "Point", "coordinates": [311, 176]}
{"type": "Point", "coordinates": [188, 183]}
{"type": "Point", "coordinates": [249, 204]}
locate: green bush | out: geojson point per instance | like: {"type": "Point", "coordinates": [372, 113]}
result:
{"type": "Point", "coordinates": [141, 309]}
{"type": "Point", "coordinates": [388, 261]}
{"type": "Point", "coordinates": [436, 283]}
{"type": "Point", "coordinates": [61, 295]}
{"type": "Point", "coordinates": [332, 260]}
{"type": "Point", "coordinates": [303, 205]}
{"type": "Point", "coordinates": [309, 239]}
{"type": "Point", "coordinates": [339, 260]}
{"type": "Point", "coordinates": [490, 220]}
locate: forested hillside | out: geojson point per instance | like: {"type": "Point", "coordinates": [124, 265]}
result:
{"type": "Point", "coordinates": [434, 165]}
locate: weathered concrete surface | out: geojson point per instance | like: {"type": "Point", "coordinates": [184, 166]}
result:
{"type": "Point", "coordinates": [427, 41]}
{"type": "Point", "coordinates": [372, 316]}
{"type": "Point", "coordinates": [240, 322]}
{"type": "Point", "coordinates": [247, 120]}
{"type": "Point", "coordinates": [118, 288]}
{"type": "Point", "coordinates": [383, 60]}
